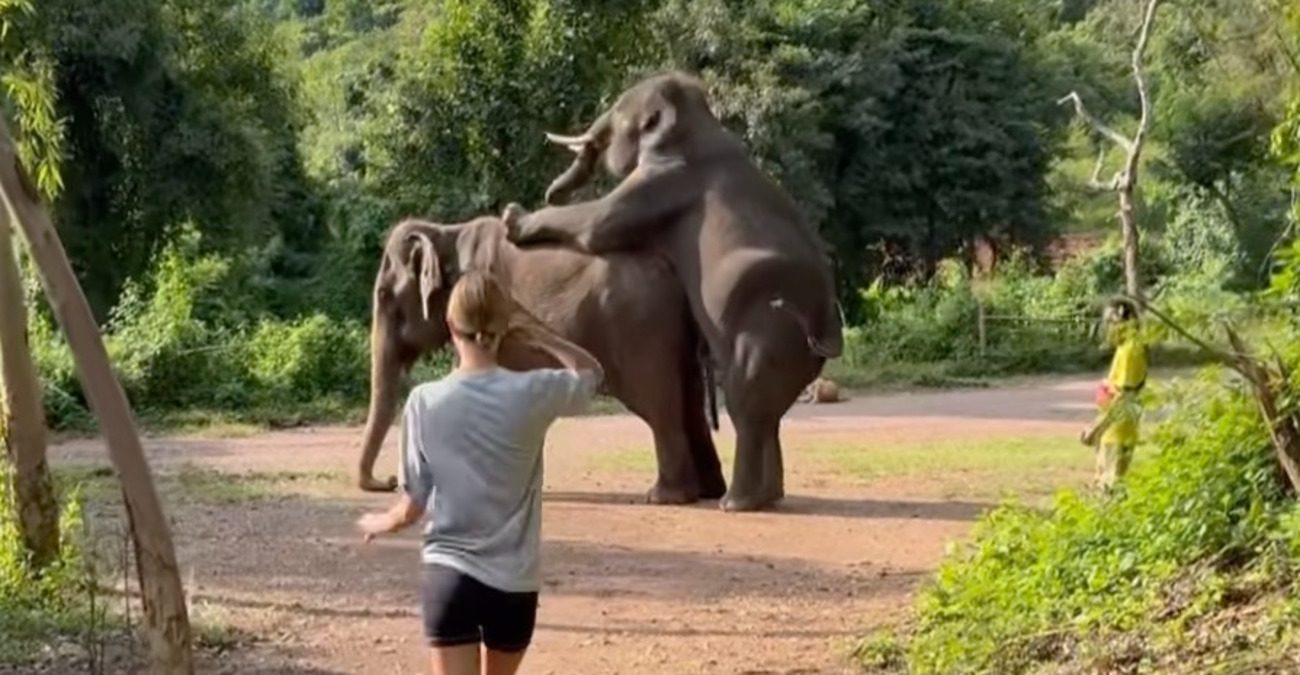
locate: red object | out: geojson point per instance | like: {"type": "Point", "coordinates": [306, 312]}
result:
{"type": "Point", "coordinates": [1104, 393]}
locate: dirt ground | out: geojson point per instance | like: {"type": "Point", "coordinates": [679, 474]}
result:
{"type": "Point", "coordinates": [629, 587]}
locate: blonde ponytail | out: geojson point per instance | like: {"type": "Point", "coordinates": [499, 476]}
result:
{"type": "Point", "coordinates": [479, 309]}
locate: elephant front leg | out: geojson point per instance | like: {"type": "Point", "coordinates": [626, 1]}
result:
{"type": "Point", "coordinates": [752, 484]}
{"type": "Point", "coordinates": [676, 482]}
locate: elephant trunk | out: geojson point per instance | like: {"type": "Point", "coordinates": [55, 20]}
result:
{"type": "Point", "coordinates": [385, 373]}
{"type": "Point", "coordinates": [588, 147]}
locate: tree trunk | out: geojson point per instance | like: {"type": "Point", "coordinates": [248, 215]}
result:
{"type": "Point", "coordinates": [1129, 229]}
{"type": "Point", "coordinates": [166, 615]}
{"type": "Point", "coordinates": [1283, 428]}
{"type": "Point", "coordinates": [23, 427]}
{"type": "Point", "coordinates": [1125, 182]}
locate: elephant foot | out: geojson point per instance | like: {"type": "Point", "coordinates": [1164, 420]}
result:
{"type": "Point", "coordinates": [372, 484]}
{"type": "Point", "coordinates": [713, 490]}
{"type": "Point", "coordinates": [733, 503]}
{"type": "Point", "coordinates": [664, 495]}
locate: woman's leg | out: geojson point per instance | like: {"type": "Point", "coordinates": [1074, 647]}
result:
{"type": "Point", "coordinates": [509, 620]}
{"type": "Point", "coordinates": [458, 660]}
{"type": "Point", "coordinates": [502, 663]}
{"type": "Point", "coordinates": [450, 605]}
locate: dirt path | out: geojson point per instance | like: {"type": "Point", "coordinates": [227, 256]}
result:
{"type": "Point", "coordinates": [630, 588]}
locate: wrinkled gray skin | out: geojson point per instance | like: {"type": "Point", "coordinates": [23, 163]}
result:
{"type": "Point", "coordinates": [759, 282]}
{"type": "Point", "coordinates": [629, 313]}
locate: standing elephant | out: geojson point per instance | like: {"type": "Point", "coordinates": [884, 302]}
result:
{"type": "Point", "coordinates": [627, 311]}
{"type": "Point", "coordinates": [759, 282]}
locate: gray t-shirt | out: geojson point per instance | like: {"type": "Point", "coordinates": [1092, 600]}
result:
{"type": "Point", "coordinates": [472, 454]}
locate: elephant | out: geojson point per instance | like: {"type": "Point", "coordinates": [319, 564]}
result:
{"type": "Point", "coordinates": [758, 277]}
{"type": "Point", "coordinates": [627, 311]}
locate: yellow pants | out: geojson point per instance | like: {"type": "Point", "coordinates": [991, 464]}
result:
{"type": "Point", "coordinates": [1114, 435]}
{"type": "Point", "coordinates": [1112, 463]}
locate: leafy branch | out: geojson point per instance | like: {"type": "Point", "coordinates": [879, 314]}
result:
{"type": "Point", "coordinates": [1269, 380]}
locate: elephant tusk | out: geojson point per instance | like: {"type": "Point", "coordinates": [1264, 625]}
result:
{"type": "Point", "coordinates": [575, 143]}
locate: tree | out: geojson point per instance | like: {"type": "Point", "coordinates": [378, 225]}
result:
{"type": "Point", "coordinates": [912, 127]}
{"type": "Point", "coordinates": [1125, 182]}
{"type": "Point", "coordinates": [166, 614]}
{"type": "Point", "coordinates": [22, 414]}
{"type": "Point", "coordinates": [166, 111]}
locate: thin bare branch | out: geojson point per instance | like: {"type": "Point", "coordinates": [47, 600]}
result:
{"type": "Point", "coordinates": [1097, 125]}
{"type": "Point", "coordinates": [1129, 175]}
{"type": "Point", "coordinates": [1094, 181]}
{"type": "Point", "coordinates": [1232, 360]}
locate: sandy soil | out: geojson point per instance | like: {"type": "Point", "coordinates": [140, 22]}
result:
{"type": "Point", "coordinates": [630, 588]}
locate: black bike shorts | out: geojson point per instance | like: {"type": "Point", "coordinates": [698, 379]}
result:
{"type": "Point", "coordinates": [459, 609]}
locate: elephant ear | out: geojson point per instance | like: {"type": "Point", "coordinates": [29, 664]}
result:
{"type": "Point", "coordinates": [479, 247]}
{"type": "Point", "coordinates": [658, 123]}
{"type": "Point", "coordinates": [422, 263]}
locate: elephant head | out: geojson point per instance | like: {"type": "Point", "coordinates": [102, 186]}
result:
{"type": "Point", "coordinates": [664, 116]}
{"type": "Point", "coordinates": [420, 263]}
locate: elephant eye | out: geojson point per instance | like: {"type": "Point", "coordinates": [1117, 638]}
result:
{"type": "Point", "coordinates": [651, 121]}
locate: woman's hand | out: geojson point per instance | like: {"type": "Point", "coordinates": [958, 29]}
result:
{"type": "Point", "coordinates": [403, 513]}
{"type": "Point", "coordinates": [375, 524]}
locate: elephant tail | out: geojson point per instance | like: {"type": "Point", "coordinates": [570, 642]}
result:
{"type": "Point", "coordinates": [820, 346]}
{"type": "Point", "coordinates": [710, 384]}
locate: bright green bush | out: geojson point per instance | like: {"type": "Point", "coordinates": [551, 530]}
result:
{"type": "Point", "coordinates": [1037, 322]}
{"type": "Point", "coordinates": [1030, 584]}
{"type": "Point", "coordinates": [1034, 322]}
{"type": "Point", "coordinates": [33, 606]}
{"type": "Point", "coordinates": [310, 358]}
{"type": "Point", "coordinates": [180, 342]}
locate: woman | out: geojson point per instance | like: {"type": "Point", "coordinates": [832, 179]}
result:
{"type": "Point", "coordinates": [471, 456]}
{"type": "Point", "coordinates": [1114, 434]}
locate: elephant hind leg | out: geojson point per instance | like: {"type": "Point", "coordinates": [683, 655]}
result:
{"type": "Point", "coordinates": [657, 398]}
{"type": "Point", "coordinates": [770, 367]}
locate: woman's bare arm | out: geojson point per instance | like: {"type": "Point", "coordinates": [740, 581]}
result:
{"type": "Point", "coordinates": [529, 330]}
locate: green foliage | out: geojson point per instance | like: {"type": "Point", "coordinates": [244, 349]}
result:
{"type": "Point", "coordinates": [907, 129]}
{"type": "Point", "coordinates": [28, 83]}
{"type": "Point", "coordinates": [1030, 585]}
{"type": "Point", "coordinates": [305, 360]}
{"type": "Point", "coordinates": [229, 167]}
{"type": "Point", "coordinates": [181, 347]}
{"type": "Point", "coordinates": [1035, 322]}
{"type": "Point", "coordinates": [35, 605]}
{"type": "Point", "coordinates": [170, 110]}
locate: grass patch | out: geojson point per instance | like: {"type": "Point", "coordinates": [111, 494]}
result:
{"type": "Point", "coordinates": [1031, 465]}
{"type": "Point", "coordinates": [864, 461]}
{"type": "Point", "coordinates": [190, 482]}
{"type": "Point", "coordinates": [221, 487]}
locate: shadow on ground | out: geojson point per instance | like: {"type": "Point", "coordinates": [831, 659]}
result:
{"type": "Point", "coordinates": [806, 505]}
{"type": "Point", "coordinates": [308, 548]}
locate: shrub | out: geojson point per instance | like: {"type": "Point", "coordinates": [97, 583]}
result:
{"type": "Point", "coordinates": [32, 605]}
{"type": "Point", "coordinates": [177, 345]}
{"type": "Point", "coordinates": [306, 359]}
{"type": "Point", "coordinates": [1031, 584]}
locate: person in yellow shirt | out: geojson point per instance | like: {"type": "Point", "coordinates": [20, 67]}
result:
{"type": "Point", "coordinates": [1114, 434]}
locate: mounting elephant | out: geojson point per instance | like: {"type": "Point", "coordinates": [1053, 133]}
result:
{"type": "Point", "coordinates": [627, 311]}
{"type": "Point", "coordinates": [757, 275]}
